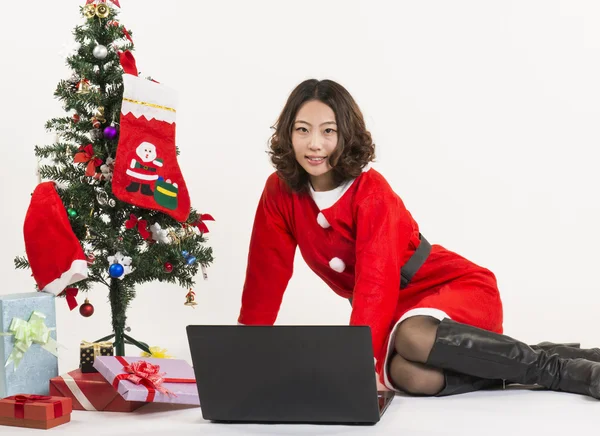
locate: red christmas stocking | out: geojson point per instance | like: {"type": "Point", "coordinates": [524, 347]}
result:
{"type": "Point", "coordinates": [146, 171]}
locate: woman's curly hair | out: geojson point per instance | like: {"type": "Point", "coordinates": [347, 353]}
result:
{"type": "Point", "coordinates": [354, 150]}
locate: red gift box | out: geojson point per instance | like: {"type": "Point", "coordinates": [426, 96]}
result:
{"type": "Point", "coordinates": [35, 411]}
{"type": "Point", "coordinates": [91, 392]}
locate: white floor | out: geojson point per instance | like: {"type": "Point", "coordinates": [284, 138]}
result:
{"type": "Point", "coordinates": [515, 411]}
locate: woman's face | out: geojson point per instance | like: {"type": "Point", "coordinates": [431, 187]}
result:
{"type": "Point", "coordinates": [314, 137]}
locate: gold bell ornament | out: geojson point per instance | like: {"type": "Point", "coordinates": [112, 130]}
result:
{"type": "Point", "coordinates": [100, 114]}
{"type": "Point", "coordinates": [83, 87]}
{"type": "Point", "coordinates": [102, 10]}
{"type": "Point", "coordinates": [89, 11]}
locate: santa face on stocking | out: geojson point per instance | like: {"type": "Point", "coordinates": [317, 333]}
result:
{"type": "Point", "coordinates": [143, 169]}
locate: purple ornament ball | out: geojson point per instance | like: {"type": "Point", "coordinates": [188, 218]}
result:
{"type": "Point", "coordinates": [110, 132]}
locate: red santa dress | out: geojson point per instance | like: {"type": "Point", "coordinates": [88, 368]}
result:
{"type": "Point", "coordinates": [356, 238]}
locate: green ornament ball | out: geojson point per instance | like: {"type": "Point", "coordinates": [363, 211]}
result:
{"type": "Point", "coordinates": [72, 212]}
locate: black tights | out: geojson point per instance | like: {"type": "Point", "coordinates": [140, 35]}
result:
{"type": "Point", "coordinates": [414, 339]}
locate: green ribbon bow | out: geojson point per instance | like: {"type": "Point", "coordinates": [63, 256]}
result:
{"type": "Point", "coordinates": [27, 333]}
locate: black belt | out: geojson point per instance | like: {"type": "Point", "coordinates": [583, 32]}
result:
{"type": "Point", "coordinates": [415, 262]}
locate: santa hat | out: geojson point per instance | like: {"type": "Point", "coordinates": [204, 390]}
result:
{"type": "Point", "coordinates": [53, 251]}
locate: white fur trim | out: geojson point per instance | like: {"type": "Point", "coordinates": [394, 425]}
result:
{"type": "Point", "coordinates": [323, 221]}
{"type": "Point", "coordinates": [337, 264]}
{"type": "Point", "coordinates": [155, 95]}
{"type": "Point", "coordinates": [141, 176]}
{"type": "Point", "coordinates": [78, 271]}
{"type": "Point", "coordinates": [426, 311]}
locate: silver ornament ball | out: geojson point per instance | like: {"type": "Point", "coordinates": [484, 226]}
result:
{"type": "Point", "coordinates": [100, 52]}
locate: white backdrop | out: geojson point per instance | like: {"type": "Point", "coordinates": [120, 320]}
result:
{"type": "Point", "coordinates": [485, 117]}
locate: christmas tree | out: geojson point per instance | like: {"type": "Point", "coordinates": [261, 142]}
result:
{"type": "Point", "coordinates": [133, 224]}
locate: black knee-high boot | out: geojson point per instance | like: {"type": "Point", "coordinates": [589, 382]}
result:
{"type": "Point", "coordinates": [570, 351]}
{"type": "Point", "coordinates": [457, 383]}
{"type": "Point", "coordinates": [479, 353]}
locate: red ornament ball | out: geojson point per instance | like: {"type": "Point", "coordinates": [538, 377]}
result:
{"type": "Point", "coordinates": [86, 309]}
{"type": "Point", "coordinates": [168, 267]}
{"type": "Point", "coordinates": [96, 123]}
{"type": "Point", "coordinates": [76, 118]}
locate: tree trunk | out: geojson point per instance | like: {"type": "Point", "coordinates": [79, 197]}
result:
{"type": "Point", "coordinates": [118, 315]}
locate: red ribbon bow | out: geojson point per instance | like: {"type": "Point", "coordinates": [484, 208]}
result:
{"type": "Point", "coordinates": [86, 154]}
{"type": "Point", "coordinates": [70, 294]}
{"type": "Point", "coordinates": [148, 375]}
{"type": "Point", "coordinates": [125, 32]}
{"type": "Point", "coordinates": [116, 2]}
{"type": "Point", "coordinates": [21, 400]}
{"type": "Point", "coordinates": [141, 225]}
{"type": "Point", "coordinates": [200, 224]}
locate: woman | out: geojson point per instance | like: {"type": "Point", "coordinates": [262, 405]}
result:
{"type": "Point", "coordinates": [435, 317]}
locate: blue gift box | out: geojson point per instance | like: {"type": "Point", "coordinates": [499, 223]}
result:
{"type": "Point", "coordinates": [37, 365]}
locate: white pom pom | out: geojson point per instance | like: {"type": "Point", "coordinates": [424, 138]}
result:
{"type": "Point", "coordinates": [337, 264]}
{"type": "Point", "coordinates": [323, 221]}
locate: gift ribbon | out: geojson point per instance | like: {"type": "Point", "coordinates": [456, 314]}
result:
{"type": "Point", "coordinates": [157, 353]}
{"type": "Point", "coordinates": [21, 400]}
{"type": "Point", "coordinates": [77, 392]}
{"type": "Point", "coordinates": [148, 375]}
{"type": "Point", "coordinates": [96, 346]}
{"type": "Point", "coordinates": [27, 333]}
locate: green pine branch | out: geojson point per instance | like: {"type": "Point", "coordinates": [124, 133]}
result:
{"type": "Point", "coordinates": [21, 262]}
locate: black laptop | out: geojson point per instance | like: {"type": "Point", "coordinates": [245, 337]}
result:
{"type": "Point", "coordinates": [286, 374]}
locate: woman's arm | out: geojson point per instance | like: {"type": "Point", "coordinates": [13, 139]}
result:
{"type": "Point", "coordinates": [383, 232]}
{"type": "Point", "coordinates": [270, 258]}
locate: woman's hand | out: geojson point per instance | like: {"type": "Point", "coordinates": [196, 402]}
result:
{"type": "Point", "coordinates": [380, 386]}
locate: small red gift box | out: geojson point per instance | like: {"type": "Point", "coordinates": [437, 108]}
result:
{"type": "Point", "coordinates": [35, 411]}
{"type": "Point", "coordinates": [91, 392]}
